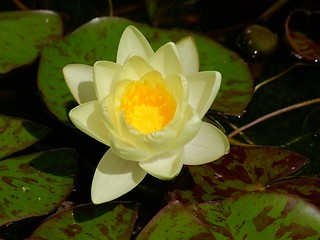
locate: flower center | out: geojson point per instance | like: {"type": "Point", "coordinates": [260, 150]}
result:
{"type": "Point", "coordinates": [148, 104]}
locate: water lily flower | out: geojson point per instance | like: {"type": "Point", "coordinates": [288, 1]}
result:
{"type": "Point", "coordinates": [148, 107]}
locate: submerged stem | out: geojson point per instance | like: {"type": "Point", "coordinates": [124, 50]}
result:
{"type": "Point", "coordinates": [235, 142]}
{"type": "Point", "coordinates": [273, 114]}
{"type": "Point", "coordinates": [110, 8]}
{"type": "Point", "coordinates": [20, 5]}
{"type": "Point", "coordinates": [275, 77]}
{"type": "Point", "coordinates": [275, 7]}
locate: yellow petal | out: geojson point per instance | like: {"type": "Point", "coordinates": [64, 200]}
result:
{"type": "Point", "coordinates": [114, 177]}
{"type": "Point", "coordinates": [88, 118]}
{"type": "Point", "coordinates": [203, 88]}
{"type": "Point", "coordinates": [134, 68]}
{"type": "Point", "coordinates": [79, 79]}
{"type": "Point", "coordinates": [189, 57]}
{"type": "Point", "coordinates": [208, 145]}
{"type": "Point", "coordinates": [132, 42]}
{"type": "Point", "coordinates": [164, 166]}
{"type": "Point", "coordinates": [105, 74]}
{"type": "Point", "coordinates": [166, 60]}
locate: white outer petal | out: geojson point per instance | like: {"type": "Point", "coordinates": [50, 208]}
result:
{"type": "Point", "coordinates": [166, 60]}
{"type": "Point", "coordinates": [208, 145]}
{"type": "Point", "coordinates": [188, 129]}
{"type": "Point", "coordinates": [164, 166]}
{"type": "Point", "coordinates": [105, 74]}
{"type": "Point", "coordinates": [79, 79]}
{"type": "Point", "coordinates": [189, 57]}
{"type": "Point", "coordinates": [132, 42]}
{"type": "Point", "coordinates": [128, 151]}
{"type": "Point", "coordinates": [114, 177]}
{"type": "Point", "coordinates": [134, 68]}
{"type": "Point", "coordinates": [203, 89]}
{"type": "Point", "coordinates": [88, 118]}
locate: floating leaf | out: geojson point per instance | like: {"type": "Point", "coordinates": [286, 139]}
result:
{"type": "Point", "coordinates": [23, 34]}
{"type": "Point", "coordinates": [302, 32]}
{"type": "Point", "coordinates": [99, 39]}
{"type": "Point", "coordinates": [242, 169]}
{"type": "Point", "coordinates": [35, 184]}
{"type": "Point", "coordinates": [17, 134]}
{"type": "Point", "coordinates": [175, 221]}
{"type": "Point", "coordinates": [305, 187]}
{"type": "Point", "coordinates": [261, 215]}
{"type": "Point", "coordinates": [113, 220]}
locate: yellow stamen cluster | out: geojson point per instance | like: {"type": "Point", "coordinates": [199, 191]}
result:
{"type": "Point", "coordinates": [148, 104]}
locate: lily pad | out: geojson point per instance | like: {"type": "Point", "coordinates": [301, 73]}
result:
{"type": "Point", "coordinates": [305, 187]}
{"type": "Point", "coordinates": [113, 220]}
{"type": "Point", "coordinates": [175, 221]}
{"type": "Point", "coordinates": [35, 184]}
{"type": "Point", "coordinates": [242, 169]}
{"type": "Point", "coordinates": [17, 134]}
{"type": "Point", "coordinates": [261, 215]}
{"type": "Point", "coordinates": [302, 33]}
{"type": "Point", "coordinates": [254, 215]}
{"type": "Point", "coordinates": [99, 39]}
{"type": "Point", "coordinates": [23, 34]}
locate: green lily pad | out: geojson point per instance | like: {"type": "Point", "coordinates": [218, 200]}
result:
{"type": "Point", "coordinates": [35, 184]}
{"type": "Point", "coordinates": [261, 215]}
{"type": "Point", "coordinates": [17, 134]}
{"type": "Point", "coordinates": [99, 39]}
{"type": "Point", "coordinates": [23, 34]}
{"type": "Point", "coordinates": [113, 220]}
{"type": "Point", "coordinates": [242, 169]}
{"type": "Point", "coordinates": [175, 221]}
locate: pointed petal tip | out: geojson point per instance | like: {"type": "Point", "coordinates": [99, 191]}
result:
{"type": "Point", "coordinates": [133, 42]}
{"type": "Point", "coordinates": [189, 55]}
{"type": "Point", "coordinates": [79, 79]}
{"type": "Point", "coordinates": [114, 177]}
{"type": "Point", "coordinates": [104, 73]}
{"type": "Point", "coordinates": [208, 84]}
{"type": "Point", "coordinates": [87, 118]}
{"type": "Point", "coordinates": [209, 145]}
{"type": "Point", "coordinates": [167, 60]}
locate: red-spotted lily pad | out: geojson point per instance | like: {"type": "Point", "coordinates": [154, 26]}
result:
{"type": "Point", "coordinates": [99, 39]}
{"type": "Point", "coordinates": [35, 184]}
{"type": "Point", "coordinates": [113, 220]}
{"type": "Point", "coordinates": [253, 215]}
{"type": "Point", "coordinates": [261, 215]}
{"type": "Point", "coordinates": [17, 134]}
{"type": "Point", "coordinates": [303, 35]}
{"type": "Point", "coordinates": [242, 169]}
{"type": "Point", "coordinates": [175, 221]}
{"type": "Point", "coordinates": [23, 34]}
{"type": "Point", "coordinates": [306, 187]}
